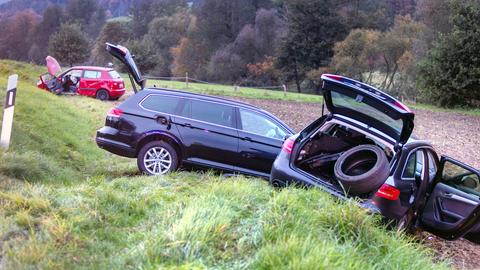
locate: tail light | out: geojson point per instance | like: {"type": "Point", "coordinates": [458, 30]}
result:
{"type": "Point", "coordinates": [115, 112]}
{"type": "Point", "coordinates": [288, 145]}
{"type": "Point", "coordinates": [388, 192]}
{"type": "Point", "coordinates": [402, 106]}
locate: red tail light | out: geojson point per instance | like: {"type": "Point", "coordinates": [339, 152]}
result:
{"type": "Point", "coordinates": [288, 145]}
{"type": "Point", "coordinates": [114, 112]}
{"type": "Point", "coordinates": [402, 106]}
{"type": "Point", "coordinates": [388, 192]}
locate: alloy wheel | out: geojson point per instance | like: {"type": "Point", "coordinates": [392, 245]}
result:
{"type": "Point", "coordinates": [157, 160]}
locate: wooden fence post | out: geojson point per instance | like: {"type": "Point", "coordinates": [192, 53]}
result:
{"type": "Point", "coordinates": [186, 80]}
{"type": "Point", "coordinates": [284, 90]}
{"type": "Point", "coordinates": [8, 111]}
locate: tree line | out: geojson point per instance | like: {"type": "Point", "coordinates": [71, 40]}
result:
{"type": "Point", "coordinates": [425, 50]}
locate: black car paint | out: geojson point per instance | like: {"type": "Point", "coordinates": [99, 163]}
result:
{"type": "Point", "coordinates": [198, 142]}
{"type": "Point", "coordinates": [423, 196]}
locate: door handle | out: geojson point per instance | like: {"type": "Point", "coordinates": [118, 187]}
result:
{"type": "Point", "coordinates": [247, 139]}
{"type": "Point", "coordinates": [188, 125]}
{"type": "Point", "coordinates": [460, 199]}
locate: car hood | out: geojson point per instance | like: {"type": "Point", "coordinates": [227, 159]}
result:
{"type": "Point", "coordinates": [52, 66]}
{"type": "Point", "coordinates": [124, 55]}
{"type": "Point", "coordinates": [368, 105]}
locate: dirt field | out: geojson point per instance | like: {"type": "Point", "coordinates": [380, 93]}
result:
{"type": "Point", "coordinates": [452, 134]}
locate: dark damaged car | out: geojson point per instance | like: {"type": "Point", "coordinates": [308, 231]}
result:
{"type": "Point", "coordinates": [363, 148]}
{"type": "Point", "coordinates": [164, 128]}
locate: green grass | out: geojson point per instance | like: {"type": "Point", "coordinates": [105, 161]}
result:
{"type": "Point", "coordinates": [65, 204]}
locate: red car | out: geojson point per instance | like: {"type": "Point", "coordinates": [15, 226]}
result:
{"type": "Point", "coordinates": [99, 82]}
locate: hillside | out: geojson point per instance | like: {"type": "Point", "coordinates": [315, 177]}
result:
{"type": "Point", "coordinates": [66, 204]}
{"type": "Point", "coordinates": [114, 7]}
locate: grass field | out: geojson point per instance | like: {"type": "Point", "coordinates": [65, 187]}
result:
{"type": "Point", "coordinates": [65, 204]}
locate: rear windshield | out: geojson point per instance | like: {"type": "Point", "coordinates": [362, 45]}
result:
{"type": "Point", "coordinates": [357, 103]}
{"type": "Point", "coordinates": [114, 74]}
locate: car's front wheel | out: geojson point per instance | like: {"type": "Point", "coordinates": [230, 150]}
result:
{"type": "Point", "coordinates": [157, 158]}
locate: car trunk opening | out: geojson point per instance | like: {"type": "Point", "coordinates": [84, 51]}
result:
{"type": "Point", "coordinates": [320, 151]}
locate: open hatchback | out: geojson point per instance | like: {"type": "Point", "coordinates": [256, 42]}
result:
{"type": "Point", "coordinates": [100, 82]}
{"type": "Point", "coordinates": [363, 148]}
{"type": "Point", "coordinates": [368, 105]}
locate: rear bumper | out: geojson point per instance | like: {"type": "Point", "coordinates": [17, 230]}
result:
{"type": "Point", "coordinates": [284, 173]}
{"type": "Point", "coordinates": [117, 93]}
{"type": "Point", "coordinates": [105, 141]}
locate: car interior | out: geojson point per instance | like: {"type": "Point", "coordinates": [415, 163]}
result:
{"type": "Point", "coordinates": [318, 156]}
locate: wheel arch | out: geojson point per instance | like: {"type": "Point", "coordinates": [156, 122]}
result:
{"type": "Point", "coordinates": [104, 89]}
{"type": "Point", "coordinates": [160, 136]}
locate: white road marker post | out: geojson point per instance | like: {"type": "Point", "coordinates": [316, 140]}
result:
{"type": "Point", "coordinates": [8, 111]}
{"type": "Point", "coordinates": [284, 90]}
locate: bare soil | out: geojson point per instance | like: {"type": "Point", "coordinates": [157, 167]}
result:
{"type": "Point", "coordinates": [452, 134]}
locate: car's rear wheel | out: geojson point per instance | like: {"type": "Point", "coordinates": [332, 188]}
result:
{"type": "Point", "coordinates": [102, 95]}
{"type": "Point", "coordinates": [362, 169]}
{"type": "Point", "coordinates": [157, 158]}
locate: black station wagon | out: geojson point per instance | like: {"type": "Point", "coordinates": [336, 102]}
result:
{"type": "Point", "coordinates": [164, 128]}
{"type": "Point", "coordinates": [363, 148]}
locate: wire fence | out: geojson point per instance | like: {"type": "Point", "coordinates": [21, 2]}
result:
{"type": "Point", "coordinates": [235, 87]}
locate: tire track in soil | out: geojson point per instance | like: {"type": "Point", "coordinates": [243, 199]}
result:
{"type": "Point", "coordinates": [451, 134]}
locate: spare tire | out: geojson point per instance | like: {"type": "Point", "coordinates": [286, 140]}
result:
{"type": "Point", "coordinates": [362, 169]}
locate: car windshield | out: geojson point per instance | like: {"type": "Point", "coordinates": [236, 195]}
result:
{"type": "Point", "coordinates": [114, 74]}
{"type": "Point", "coordinates": [358, 104]}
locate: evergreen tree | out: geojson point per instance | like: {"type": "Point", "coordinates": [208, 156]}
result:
{"type": "Point", "coordinates": [313, 28]}
{"type": "Point", "coordinates": [450, 73]}
{"type": "Point", "coordinates": [69, 45]}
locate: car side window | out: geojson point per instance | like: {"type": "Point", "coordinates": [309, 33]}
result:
{"type": "Point", "coordinates": [211, 112]}
{"type": "Point", "coordinates": [75, 73]}
{"type": "Point", "coordinates": [261, 125]}
{"type": "Point", "coordinates": [91, 74]}
{"type": "Point", "coordinates": [414, 165]}
{"type": "Point", "coordinates": [461, 178]}
{"type": "Point", "coordinates": [159, 103]}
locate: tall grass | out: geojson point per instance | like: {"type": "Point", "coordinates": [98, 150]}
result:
{"type": "Point", "coordinates": [65, 204]}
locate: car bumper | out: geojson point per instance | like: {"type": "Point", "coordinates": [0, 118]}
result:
{"type": "Point", "coordinates": [117, 93]}
{"type": "Point", "coordinates": [283, 172]}
{"type": "Point", "coordinates": [104, 140]}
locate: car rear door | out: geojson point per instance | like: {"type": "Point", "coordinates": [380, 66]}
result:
{"type": "Point", "coordinates": [209, 134]}
{"type": "Point", "coordinates": [89, 82]}
{"type": "Point", "coordinates": [453, 206]}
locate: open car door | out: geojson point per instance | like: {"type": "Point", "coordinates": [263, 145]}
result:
{"type": "Point", "coordinates": [124, 55]}
{"type": "Point", "coordinates": [453, 206]}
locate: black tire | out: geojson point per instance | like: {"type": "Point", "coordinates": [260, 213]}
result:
{"type": "Point", "coordinates": [146, 152]}
{"type": "Point", "coordinates": [362, 169]}
{"type": "Point", "coordinates": [102, 95]}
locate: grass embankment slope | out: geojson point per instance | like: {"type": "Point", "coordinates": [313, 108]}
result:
{"type": "Point", "coordinates": [64, 203]}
